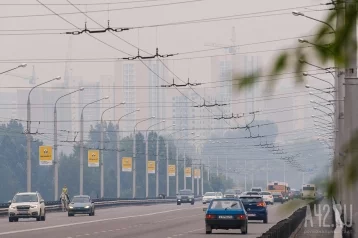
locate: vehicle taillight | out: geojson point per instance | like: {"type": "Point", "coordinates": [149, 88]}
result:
{"type": "Point", "coordinates": [241, 217]}
{"type": "Point", "coordinates": [209, 216]}
{"type": "Point", "coordinates": [261, 204]}
{"type": "Point", "coordinates": [270, 196]}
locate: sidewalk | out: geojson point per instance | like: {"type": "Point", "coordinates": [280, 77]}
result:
{"type": "Point", "coordinates": [318, 222]}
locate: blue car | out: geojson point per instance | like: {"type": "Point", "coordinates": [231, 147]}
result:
{"type": "Point", "coordinates": [225, 214]}
{"type": "Point", "coordinates": [255, 207]}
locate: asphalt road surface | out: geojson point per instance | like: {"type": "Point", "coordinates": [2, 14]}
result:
{"type": "Point", "coordinates": [155, 221]}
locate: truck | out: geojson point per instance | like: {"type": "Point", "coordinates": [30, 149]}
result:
{"type": "Point", "coordinates": [279, 187]}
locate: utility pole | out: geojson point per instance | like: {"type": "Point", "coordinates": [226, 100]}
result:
{"type": "Point", "coordinates": [146, 167]}
{"type": "Point", "coordinates": [177, 172]}
{"type": "Point", "coordinates": [284, 172]}
{"type": "Point", "coordinates": [267, 171]}
{"type": "Point", "coordinates": [226, 170]}
{"type": "Point", "coordinates": [351, 95]}
{"type": "Point", "coordinates": [167, 168]}
{"type": "Point", "coordinates": [217, 166]}
{"type": "Point", "coordinates": [157, 169]}
{"type": "Point", "coordinates": [184, 170]}
{"type": "Point", "coordinates": [245, 175]}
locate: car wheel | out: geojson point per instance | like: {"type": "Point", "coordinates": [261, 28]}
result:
{"type": "Point", "coordinates": [11, 219]}
{"type": "Point", "coordinates": [16, 219]}
{"type": "Point", "coordinates": [39, 217]}
{"type": "Point", "coordinates": [208, 229]}
{"type": "Point", "coordinates": [70, 215]}
{"type": "Point", "coordinates": [244, 229]}
{"type": "Point", "coordinates": [93, 212]}
{"type": "Point", "coordinates": [178, 203]}
{"type": "Point", "coordinates": [43, 218]}
{"type": "Point", "coordinates": [192, 203]}
{"type": "Point", "coordinates": [265, 220]}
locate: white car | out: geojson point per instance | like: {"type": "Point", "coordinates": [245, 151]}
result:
{"type": "Point", "coordinates": [268, 198]}
{"type": "Point", "coordinates": [210, 196]}
{"type": "Point", "coordinates": [27, 205]}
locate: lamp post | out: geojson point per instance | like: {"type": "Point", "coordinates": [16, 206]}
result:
{"type": "Point", "coordinates": [177, 165]}
{"type": "Point", "coordinates": [19, 66]}
{"type": "Point", "coordinates": [28, 133]}
{"type": "Point", "coordinates": [81, 143]}
{"type": "Point", "coordinates": [118, 155]}
{"type": "Point", "coordinates": [134, 155]}
{"type": "Point", "coordinates": [312, 101]}
{"type": "Point", "coordinates": [102, 147]}
{"type": "Point", "coordinates": [146, 159]}
{"type": "Point", "coordinates": [297, 13]}
{"type": "Point", "coordinates": [157, 162]}
{"type": "Point", "coordinates": [55, 142]}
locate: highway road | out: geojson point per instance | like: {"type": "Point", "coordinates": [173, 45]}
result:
{"type": "Point", "coordinates": [155, 221]}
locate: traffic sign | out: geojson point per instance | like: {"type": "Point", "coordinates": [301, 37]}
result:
{"type": "Point", "coordinates": [45, 155]}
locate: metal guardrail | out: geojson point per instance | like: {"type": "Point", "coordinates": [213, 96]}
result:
{"type": "Point", "coordinates": [287, 227]}
{"type": "Point", "coordinates": [52, 206]}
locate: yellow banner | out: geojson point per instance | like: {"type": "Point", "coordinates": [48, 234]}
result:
{"type": "Point", "coordinates": [45, 155]}
{"type": "Point", "coordinates": [151, 167]}
{"type": "Point", "coordinates": [171, 170]}
{"type": "Point", "coordinates": [197, 173]}
{"type": "Point", "coordinates": [127, 164]}
{"type": "Point", "coordinates": [93, 158]}
{"type": "Point", "coordinates": [188, 172]}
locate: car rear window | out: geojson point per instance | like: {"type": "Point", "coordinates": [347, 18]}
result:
{"type": "Point", "coordinates": [256, 190]}
{"type": "Point", "coordinates": [227, 204]}
{"type": "Point", "coordinates": [265, 193]}
{"type": "Point", "coordinates": [251, 199]}
{"type": "Point", "coordinates": [308, 189]}
{"type": "Point", "coordinates": [209, 194]}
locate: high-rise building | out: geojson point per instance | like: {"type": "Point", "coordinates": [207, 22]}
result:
{"type": "Point", "coordinates": [139, 85]}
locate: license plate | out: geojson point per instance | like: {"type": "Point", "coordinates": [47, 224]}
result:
{"type": "Point", "coordinates": [23, 213]}
{"type": "Point", "coordinates": [251, 215]}
{"type": "Point", "coordinates": [225, 217]}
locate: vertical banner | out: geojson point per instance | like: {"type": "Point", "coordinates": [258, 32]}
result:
{"type": "Point", "coordinates": [188, 172]}
{"type": "Point", "coordinates": [45, 155]}
{"type": "Point", "coordinates": [197, 173]}
{"type": "Point", "coordinates": [93, 158]}
{"type": "Point", "coordinates": [151, 167]}
{"type": "Point", "coordinates": [126, 164]}
{"type": "Point", "coordinates": [171, 170]}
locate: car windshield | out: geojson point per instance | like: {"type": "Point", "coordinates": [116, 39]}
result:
{"type": "Point", "coordinates": [276, 194]}
{"type": "Point", "coordinates": [256, 190]}
{"type": "Point", "coordinates": [252, 193]}
{"type": "Point", "coordinates": [25, 198]}
{"type": "Point", "coordinates": [265, 193]}
{"type": "Point", "coordinates": [251, 199]}
{"type": "Point", "coordinates": [185, 192]}
{"type": "Point", "coordinates": [209, 194]}
{"type": "Point", "coordinates": [308, 188]}
{"type": "Point", "coordinates": [80, 200]}
{"type": "Point", "coordinates": [230, 191]}
{"type": "Point", "coordinates": [227, 204]}
{"type": "Point", "coordinates": [237, 191]}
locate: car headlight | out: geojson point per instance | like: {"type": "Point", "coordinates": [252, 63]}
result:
{"type": "Point", "coordinates": [13, 207]}
{"type": "Point", "coordinates": [70, 207]}
{"type": "Point", "coordinates": [87, 207]}
{"type": "Point", "coordinates": [33, 206]}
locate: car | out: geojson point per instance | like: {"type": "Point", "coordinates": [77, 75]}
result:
{"type": "Point", "coordinates": [81, 205]}
{"type": "Point", "coordinates": [267, 196]}
{"type": "Point", "coordinates": [256, 189]}
{"type": "Point", "coordinates": [185, 196]}
{"type": "Point", "coordinates": [27, 205]}
{"type": "Point", "coordinates": [255, 207]}
{"type": "Point", "coordinates": [231, 193]}
{"type": "Point", "coordinates": [225, 214]}
{"type": "Point", "coordinates": [253, 193]}
{"type": "Point", "coordinates": [210, 196]}
{"type": "Point", "coordinates": [296, 194]}
{"type": "Point", "coordinates": [277, 197]}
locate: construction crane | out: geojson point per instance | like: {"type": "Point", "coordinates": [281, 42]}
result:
{"type": "Point", "coordinates": [231, 49]}
{"type": "Point", "coordinates": [32, 79]}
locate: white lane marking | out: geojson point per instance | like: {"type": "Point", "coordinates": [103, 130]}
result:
{"type": "Point", "coordinates": [110, 230]}
{"type": "Point", "coordinates": [195, 230]}
{"type": "Point", "coordinates": [94, 221]}
{"type": "Point", "coordinates": [118, 229]}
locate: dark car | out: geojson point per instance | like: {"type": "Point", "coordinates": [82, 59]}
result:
{"type": "Point", "coordinates": [255, 207]}
{"type": "Point", "coordinates": [297, 194]}
{"type": "Point", "coordinates": [277, 197]}
{"type": "Point", "coordinates": [224, 214]}
{"type": "Point", "coordinates": [81, 205]}
{"type": "Point", "coordinates": [185, 196]}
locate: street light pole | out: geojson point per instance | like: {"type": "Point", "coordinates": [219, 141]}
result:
{"type": "Point", "coordinates": [134, 156]}
{"type": "Point", "coordinates": [81, 143]}
{"type": "Point", "coordinates": [119, 154]}
{"type": "Point", "coordinates": [102, 148]}
{"type": "Point", "coordinates": [146, 161]}
{"type": "Point", "coordinates": [19, 66]}
{"type": "Point", "coordinates": [28, 133]}
{"type": "Point", "coordinates": [55, 143]}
